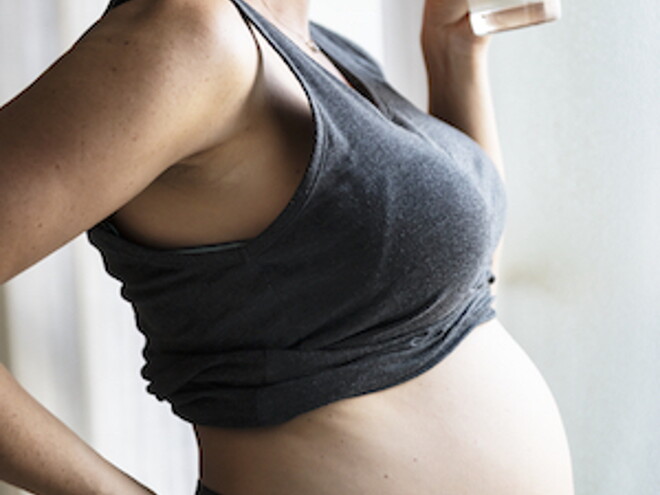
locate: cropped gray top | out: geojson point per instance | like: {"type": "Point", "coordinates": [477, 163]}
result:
{"type": "Point", "coordinates": [375, 270]}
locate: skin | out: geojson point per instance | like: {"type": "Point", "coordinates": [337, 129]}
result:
{"type": "Point", "coordinates": [153, 117]}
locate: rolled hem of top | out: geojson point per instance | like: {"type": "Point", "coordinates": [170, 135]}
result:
{"type": "Point", "coordinates": [311, 401]}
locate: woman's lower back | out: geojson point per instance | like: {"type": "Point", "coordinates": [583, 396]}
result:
{"type": "Point", "coordinates": [482, 421]}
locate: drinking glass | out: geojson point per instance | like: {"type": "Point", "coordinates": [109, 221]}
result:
{"type": "Point", "coordinates": [491, 16]}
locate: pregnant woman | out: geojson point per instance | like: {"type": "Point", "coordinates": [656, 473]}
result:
{"type": "Point", "coordinates": [307, 253]}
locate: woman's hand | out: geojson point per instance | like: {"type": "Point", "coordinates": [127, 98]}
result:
{"type": "Point", "coordinates": [447, 23]}
{"type": "Point", "coordinates": [40, 454]}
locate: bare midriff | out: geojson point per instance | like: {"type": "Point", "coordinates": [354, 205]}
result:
{"type": "Point", "coordinates": [481, 421]}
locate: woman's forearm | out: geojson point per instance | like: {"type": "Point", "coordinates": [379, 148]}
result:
{"type": "Point", "coordinates": [459, 87]}
{"type": "Point", "coordinates": [40, 454]}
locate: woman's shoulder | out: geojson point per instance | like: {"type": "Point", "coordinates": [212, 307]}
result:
{"type": "Point", "coordinates": [152, 82]}
{"type": "Point", "coordinates": [198, 29]}
{"type": "Point", "coordinates": [194, 60]}
{"type": "Point", "coordinates": [198, 53]}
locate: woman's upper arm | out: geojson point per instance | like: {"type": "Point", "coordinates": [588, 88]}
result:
{"type": "Point", "coordinates": [150, 84]}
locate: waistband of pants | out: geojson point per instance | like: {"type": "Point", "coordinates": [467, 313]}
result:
{"type": "Point", "coordinates": [202, 490]}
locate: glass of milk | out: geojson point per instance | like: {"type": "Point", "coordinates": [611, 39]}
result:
{"type": "Point", "coordinates": [491, 16]}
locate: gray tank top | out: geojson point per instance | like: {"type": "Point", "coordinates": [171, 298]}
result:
{"type": "Point", "coordinates": [375, 270]}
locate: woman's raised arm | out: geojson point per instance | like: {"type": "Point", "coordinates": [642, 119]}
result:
{"type": "Point", "coordinates": [457, 73]}
{"type": "Point", "coordinates": [148, 85]}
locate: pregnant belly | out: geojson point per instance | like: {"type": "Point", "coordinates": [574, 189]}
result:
{"type": "Point", "coordinates": [482, 421]}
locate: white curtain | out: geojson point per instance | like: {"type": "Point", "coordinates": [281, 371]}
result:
{"type": "Point", "coordinates": [580, 283]}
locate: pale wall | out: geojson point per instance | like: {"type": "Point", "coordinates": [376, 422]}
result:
{"type": "Point", "coordinates": [579, 109]}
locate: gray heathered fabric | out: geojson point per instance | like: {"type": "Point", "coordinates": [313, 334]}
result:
{"type": "Point", "coordinates": [375, 271]}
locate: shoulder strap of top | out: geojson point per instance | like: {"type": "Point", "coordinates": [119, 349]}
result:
{"type": "Point", "coordinates": [348, 51]}
{"type": "Point", "coordinates": [280, 42]}
{"type": "Point", "coordinates": [347, 57]}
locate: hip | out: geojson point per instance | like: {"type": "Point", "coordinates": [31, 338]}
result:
{"type": "Point", "coordinates": [483, 420]}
